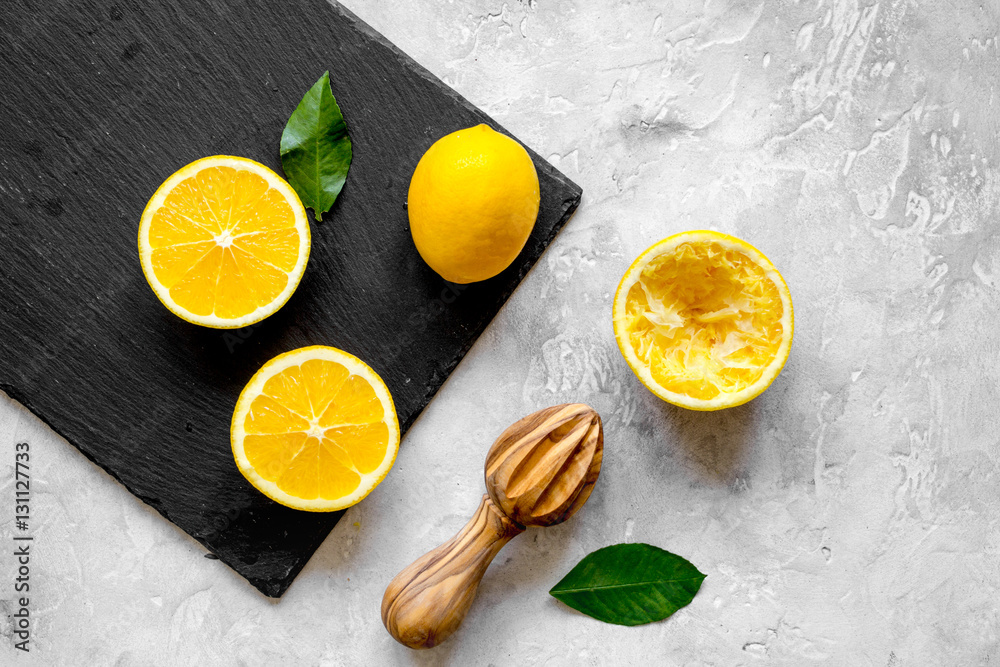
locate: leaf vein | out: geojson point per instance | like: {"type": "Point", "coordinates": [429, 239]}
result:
{"type": "Point", "coordinates": [628, 585]}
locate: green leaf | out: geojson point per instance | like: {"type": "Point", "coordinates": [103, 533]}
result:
{"type": "Point", "coordinates": [629, 584]}
{"type": "Point", "coordinates": [315, 149]}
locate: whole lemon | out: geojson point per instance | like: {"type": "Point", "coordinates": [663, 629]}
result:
{"type": "Point", "coordinates": [472, 204]}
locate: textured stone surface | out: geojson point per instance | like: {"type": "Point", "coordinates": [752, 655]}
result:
{"type": "Point", "coordinates": [845, 517]}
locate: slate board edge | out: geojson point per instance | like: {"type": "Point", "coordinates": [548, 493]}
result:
{"type": "Point", "coordinates": [569, 205]}
{"type": "Point", "coordinates": [275, 587]}
{"type": "Point", "coordinates": [568, 209]}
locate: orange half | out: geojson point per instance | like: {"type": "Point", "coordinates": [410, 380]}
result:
{"type": "Point", "coordinates": [224, 242]}
{"type": "Point", "coordinates": [315, 429]}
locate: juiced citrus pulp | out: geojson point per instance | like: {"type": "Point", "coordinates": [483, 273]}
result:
{"type": "Point", "coordinates": [315, 429]}
{"type": "Point", "coordinates": [224, 242]}
{"type": "Point", "coordinates": [704, 320]}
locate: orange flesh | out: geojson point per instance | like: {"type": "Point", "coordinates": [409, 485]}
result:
{"type": "Point", "coordinates": [315, 429]}
{"type": "Point", "coordinates": [223, 242]}
{"type": "Point", "coordinates": [705, 319]}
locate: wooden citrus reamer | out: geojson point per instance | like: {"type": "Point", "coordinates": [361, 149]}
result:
{"type": "Point", "coordinates": [539, 472]}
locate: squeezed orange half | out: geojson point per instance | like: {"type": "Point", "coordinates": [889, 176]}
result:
{"type": "Point", "coordinates": [704, 320]}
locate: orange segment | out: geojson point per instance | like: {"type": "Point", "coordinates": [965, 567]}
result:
{"type": "Point", "coordinates": [276, 247]}
{"type": "Point", "coordinates": [280, 435]}
{"type": "Point", "coordinates": [323, 379]}
{"type": "Point", "coordinates": [168, 227]}
{"type": "Point", "coordinates": [235, 291]}
{"type": "Point", "coordinates": [184, 203]}
{"type": "Point", "coordinates": [355, 403]}
{"type": "Point", "coordinates": [268, 416]}
{"type": "Point", "coordinates": [268, 213]}
{"type": "Point", "coordinates": [301, 478]}
{"type": "Point", "coordinates": [364, 444]}
{"type": "Point", "coordinates": [288, 388]}
{"type": "Point", "coordinates": [338, 454]}
{"type": "Point", "coordinates": [215, 185]}
{"type": "Point", "coordinates": [270, 455]}
{"type": "Point", "coordinates": [248, 189]}
{"type": "Point", "coordinates": [335, 478]}
{"type": "Point", "coordinates": [704, 320]}
{"type": "Point", "coordinates": [224, 242]}
{"type": "Point", "coordinates": [172, 263]}
{"type": "Point", "coordinates": [195, 292]}
{"type": "Point", "coordinates": [266, 281]}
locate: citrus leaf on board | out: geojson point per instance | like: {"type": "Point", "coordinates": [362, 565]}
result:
{"type": "Point", "coordinates": [316, 151]}
{"type": "Point", "coordinates": [629, 584]}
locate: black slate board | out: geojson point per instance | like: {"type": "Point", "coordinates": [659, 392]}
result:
{"type": "Point", "coordinates": [102, 101]}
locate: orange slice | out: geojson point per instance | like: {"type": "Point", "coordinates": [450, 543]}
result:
{"type": "Point", "coordinates": [704, 320]}
{"type": "Point", "coordinates": [315, 429]}
{"type": "Point", "coordinates": [224, 242]}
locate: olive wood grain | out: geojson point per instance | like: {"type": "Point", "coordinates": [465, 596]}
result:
{"type": "Point", "coordinates": [427, 601]}
{"type": "Point", "coordinates": [539, 472]}
{"type": "Point", "coordinates": [542, 468]}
